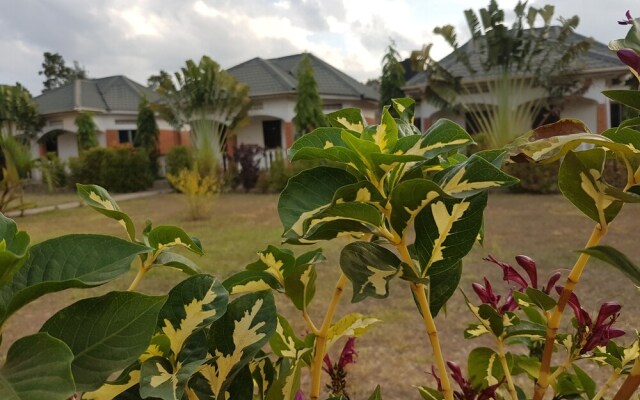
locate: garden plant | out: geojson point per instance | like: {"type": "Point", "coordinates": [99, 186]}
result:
{"type": "Point", "coordinates": [406, 205]}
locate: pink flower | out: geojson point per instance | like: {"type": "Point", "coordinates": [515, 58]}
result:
{"type": "Point", "coordinates": [630, 58]}
{"type": "Point", "coordinates": [466, 392]}
{"type": "Point", "coordinates": [628, 20]}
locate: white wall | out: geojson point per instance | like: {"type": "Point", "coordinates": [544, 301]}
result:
{"type": "Point", "coordinates": [584, 110]}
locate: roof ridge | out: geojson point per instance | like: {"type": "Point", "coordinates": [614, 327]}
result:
{"type": "Point", "coordinates": [278, 73]}
{"type": "Point", "coordinates": [341, 75]}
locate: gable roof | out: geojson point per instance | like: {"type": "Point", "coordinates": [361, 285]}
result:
{"type": "Point", "coordinates": [599, 57]}
{"type": "Point", "coordinates": [113, 93]}
{"type": "Point", "coordinates": [279, 76]}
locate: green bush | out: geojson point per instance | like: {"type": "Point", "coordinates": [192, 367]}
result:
{"type": "Point", "coordinates": [542, 179]}
{"type": "Point", "coordinates": [117, 169]}
{"type": "Point", "coordinates": [177, 159]}
{"type": "Point", "coordinates": [53, 171]}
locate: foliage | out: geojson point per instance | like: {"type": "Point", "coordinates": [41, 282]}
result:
{"type": "Point", "coordinates": [210, 101]}
{"type": "Point", "coordinates": [308, 109]}
{"type": "Point", "coordinates": [392, 79]}
{"type": "Point", "coordinates": [198, 188]}
{"type": "Point", "coordinates": [276, 177]}
{"type": "Point", "coordinates": [511, 75]}
{"type": "Point", "coordinates": [147, 134]}
{"type": "Point", "coordinates": [542, 179]}
{"type": "Point", "coordinates": [117, 169]}
{"type": "Point", "coordinates": [87, 131]}
{"type": "Point", "coordinates": [15, 164]}
{"type": "Point", "coordinates": [53, 171]}
{"type": "Point", "coordinates": [248, 157]}
{"type": "Point", "coordinates": [57, 73]}
{"type": "Point", "coordinates": [177, 159]}
{"type": "Point", "coordinates": [18, 112]}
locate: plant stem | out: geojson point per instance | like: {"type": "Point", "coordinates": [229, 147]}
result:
{"type": "Point", "coordinates": [432, 332]}
{"type": "Point", "coordinates": [312, 327]}
{"type": "Point", "coordinates": [505, 368]}
{"type": "Point", "coordinates": [141, 271]}
{"type": "Point", "coordinates": [612, 379]}
{"type": "Point", "coordinates": [554, 321]}
{"type": "Point", "coordinates": [630, 385]}
{"type": "Point", "coordinates": [320, 346]}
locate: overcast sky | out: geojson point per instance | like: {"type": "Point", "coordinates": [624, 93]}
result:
{"type": "Point", "coordinates": [137, 38]}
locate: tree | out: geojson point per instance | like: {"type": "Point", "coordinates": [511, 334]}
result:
{"type": "Point", "coordinates": [309, 115]}
{"type": "Point", "coordinates": [57, 73]}
{"type": "Point", "coordinates": [87, 131]}
{"type": "Point", "coordinates": [18, 112]}
{"type": "Point", "coordinates": [156, 80]}
{"type": "Point", "coordinates": [147, 133]}
{"type": "Point", "coordinates": [512, 75]}
{"type": "Point", "coordinates": [392, 79]}
{"type": "Point", "coordinates": [211, 102]}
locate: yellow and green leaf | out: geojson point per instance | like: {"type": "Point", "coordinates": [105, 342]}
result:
{"type": "Point", "coordinates": [369, 267]}
{"type": "Point", "coordinates": [100, 200]}
{"type": "Point", "coordinates": [348, 118]}
{"type": "Point", "coordinates": [353, 324]}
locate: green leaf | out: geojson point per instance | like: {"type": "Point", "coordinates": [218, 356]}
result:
{"type": "Point", "coordinates": [627, 97]}
{"type": "Point", "coordinates": [580, 180]}
{"type": "Point", "coordinates": [405, 107]}
{"type": "Point", "coordinates": [630, 122]}
{"type": "Point", "coordinates": [308, 193]}
{"type": "Point", "coordinates": [359, 192]}
{"type": "Point", "coordinates": [526, 328]}
{"type": "Point", "coordinates": [473, 176]}
{"type": "Point", "coordinates": [616, 259]}
{"type": "Point", "coordinates": [167, 236]}
{"type": "Point", "coordinates": [300, 286]}
{"type": "Point", "coordinates": [348, 118]}
{"type": "Point", "coordinates": [526, 364]}
{"type": "Point", "coordinates": [353, 324]}
{"type": "Point", "coordinates": [175, 260]}
{"type": "Point", "coordinates": [408, 198]}
{"type": "Point", "coordinates": [442, 137]}
{"type": "Point", "coordinates": [250, 282]}
{"type": "Point", "coordinates": [325, 144]}
{"type": "Point", "coordinates": [369, 267]}
{"type": "Point", "coordinates": [13, 249]}
{"type": "Point", "coordinates": [484, 368]}
{"type": "Point", "coordinates": [428, 393]}
{"type": "Point", "coordinates": [288, 381]}
{"type": "Point", "coordinates": [363, 213]}
{"type": "Point", "coordinates": [100, 200]}
{"type": "Point", "coordinates": [588, 384]}
{"type": "Point", "coordinates": [72, 261]}
{"type": "Point", "coordinates": [496, 322]}
{"type": "Point", "coordinates": [447, 229]}
{"type": "Point", "coordinates": [37, 367]}
{"type": "Point", "coordinates": [363, 147]}
{"type": "Point", "coordinates": [193, 304]}
{"type": "Point", "coordinates": [285, 343]}
{"type": "Point", "coordinates": [128, 380]}
{"type": "Point", "coordinates": [278, 262]}
{"type": "Point", "coordinates": [105, 333]}
{"type": "Point", "coordinates": [443, 281]}
{"type": "Point", "coordinates": [385, 134]}
{"type": "Point", "coordinates": [541, 299]}
{"type": "Point", "coordinates": [263, 374]}
{"type": "Point", "coordinates": [475, 330]}
{"type": "Point", "coordinates": [376, 395]}
{"type": "Point", "coordinates": [235, 339]}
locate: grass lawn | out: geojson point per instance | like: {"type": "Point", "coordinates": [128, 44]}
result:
{"type": "Point", "coordinates": [395, 353]}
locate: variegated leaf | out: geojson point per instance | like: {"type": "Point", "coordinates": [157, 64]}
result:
{"type": "Point", "coordinates": [250, 282]}
{"type": "Point", "coordinates": [580, 180]}
{"type": "Point", "coordinates": [300, 286]}
{"type": "Point", "coordinates": [325, 144]}
{"type": "Point", "coordinates": [359, 192]}
{"type": "Point", "coordinates": [363, 213]}
{"type": "Point", "coordinates": [353, 324]}
{"type": "Point", "coordinates": [446, 230]}
{"type": "Point", "coordinates": [285, 343]}
{"type": "Point", "coordinates": [364, 148]}
{"type": "Point", "coordinates": [167, 236]}
{"type": "Point", "coordinates": [408, 198]}
{"type": "Point", "coordinates": [473, 176]}
{"type": "Point", "coordinates": [235, 339]}
{"type": "Point", "coordinates": [99, 199]}
{"type": "Point", "coordinates": [264, 374]}
{"type": "Point", "coordinates": [428, 393]}
{"type": "Point", "coordinates": [405, 107]}
{"type": "Point", "coordinates": [369, 267]}
{"type": "Point", "coordinates": [193, 304]}
{"type": "Point", "coordinates": [112, 390]}
{"type": "Point", "coordinates": [475, 330]}
{"type": "Point", "coordinates": [13, 249]}
{"type": "Point", "coordinates": [307, 194]}
{"type": "Point", "coordinates": [616, 259]}
{"type": "Point", "coordinates": [442, 137]}
{"type": "Point", "coordinates": [167, 379]}
{"type": "Point", "coordinates": [385, 134]}
{"type": "Point", "coordinates": [348, 118]}
{"type": "Point", "coordinates": [338, 228]}
{"type": "Point", "coordinates": [288, 382]}
{"type": "Point", "coordinates": [175, 260]}
{"type": "Point", "coordinates": [278, 262]}
{"type": "Point", "coordinates": [485, 368]}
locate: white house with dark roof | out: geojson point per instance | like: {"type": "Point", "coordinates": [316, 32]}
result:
{"type": "Point", "coordinates": [599, 69]}
{"type": "Point", "coordinates": [114, 103]}
{"type": "Point", "coordinates": [272, 88]}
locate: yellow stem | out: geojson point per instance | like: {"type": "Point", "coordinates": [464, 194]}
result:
{"type": "Point", "coordinates": [630, 384]}
{"type": "Point", "coordinates": [505, 368]}
{"type": "Point", "coordinates": [432, 332]}
{"type": "Point", "coordinates": [560, 369]}
{"type": "Point", "coordinates": [145, 266]}
{"type": "Point", "coordinates": [554, 321]}
{"type": "Point", "coordinates": [312, 327]}
{"type": "Point", "coordinates": [320, 346]}
{"type": "Point", "coordinates": [612, 379]}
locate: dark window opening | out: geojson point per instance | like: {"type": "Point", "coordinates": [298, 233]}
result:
{"type": "Point", "coordinates": [418, 123]}
{"type": "Point", "coordinates": [271, 131]}
{"type": "Point", "coordinates": [51, 145]}
{"type": "Point", "coordinates": [474, 122]}
{"type": "Point", "coordinates": [127, 136]}
{"type": "Point", "coordinates": [546, 116]}
{"type": "Point", "coordinates": [619, 112]}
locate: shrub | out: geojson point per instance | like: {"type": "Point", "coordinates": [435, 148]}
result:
{"type": "Point", "coordinates": [198, 189]}
{"type": "Point", "coordinates": [248, 158]}
{"type": "Point", "coordinates": [117, 169]}
{"type": "Point", "coordinates": [53, 171]}
{"type": "Point", "coordinates": [542, 179]}
{"type": "Point", "coordinates": [177, 159]}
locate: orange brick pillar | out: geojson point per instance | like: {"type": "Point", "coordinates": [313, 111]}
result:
{"type": "Point", "coordinates": [112, 138]}
{"type": "Point", "coordinates": [602, 123]}
{"type": "Point", "coordinates": [426, 124]}
{"type": "Point", "coordinates": [232, 142]}
{"type": "Point", "coordinates": [288, 134]}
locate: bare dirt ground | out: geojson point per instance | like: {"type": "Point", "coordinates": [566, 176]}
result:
{"type": "Point", "coordinates": [395, 353]}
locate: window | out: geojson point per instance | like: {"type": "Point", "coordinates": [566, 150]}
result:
{"type": "Point", "coordinates": [126, 136]}
{"type": "Point", "coordinates": [271, 132]}
{"type": "Point", "coordinates": [619, 112]}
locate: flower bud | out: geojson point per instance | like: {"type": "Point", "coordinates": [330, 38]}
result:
{"type": "Point", "coordinates": [530, 267]}
{"type": "Point", "coordinates": [630, 58]}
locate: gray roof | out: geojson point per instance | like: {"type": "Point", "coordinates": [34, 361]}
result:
{"type": "Point", "coordinates": [114, 93]}
{"type": "Point", "coordinates": [599, 57]}
{"type": "Point", "coordinates": [278, 76]}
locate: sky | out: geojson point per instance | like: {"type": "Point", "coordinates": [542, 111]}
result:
{"type": "Point", "coordinates": [138, 38]}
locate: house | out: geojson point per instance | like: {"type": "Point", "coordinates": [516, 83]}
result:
{"type": "Point", "coordinates": [597, 70]}
{"type": "Point", "coordinates": [113, 101]}
{"type": "Point", "coordinates": [272, 88]}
